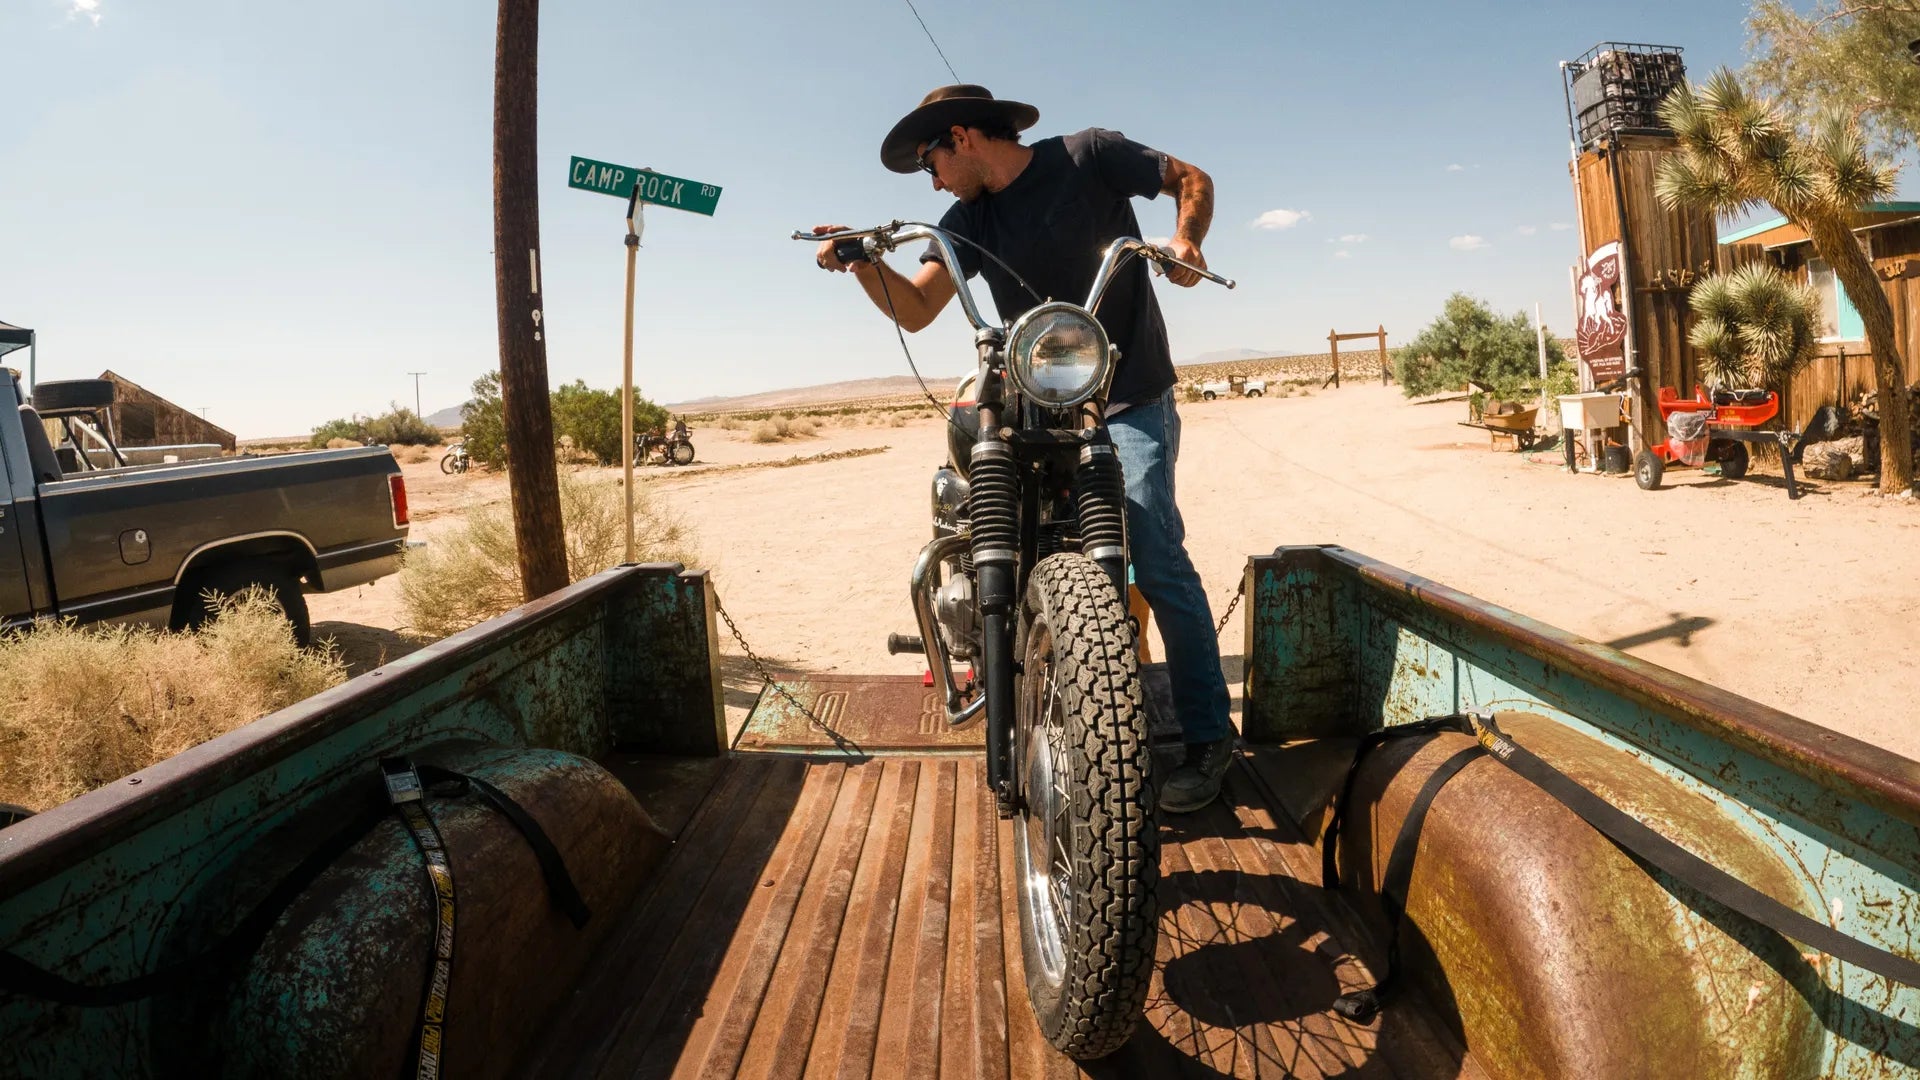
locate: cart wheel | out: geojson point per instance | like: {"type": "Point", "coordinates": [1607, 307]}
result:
{"type": "Point", "coordinates": [1733, 460]}
{"type": "Point", "coordinates": [1647, 468]}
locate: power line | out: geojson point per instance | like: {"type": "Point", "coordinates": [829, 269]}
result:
{"type": "Point", "coordinates": [929, 33]}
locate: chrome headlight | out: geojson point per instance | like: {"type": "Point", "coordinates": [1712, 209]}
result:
{"type": "Point", "coordinates": [1057, 355]}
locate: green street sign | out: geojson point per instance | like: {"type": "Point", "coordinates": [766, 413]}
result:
{"type": "Point", "coordinates": [656, 188]}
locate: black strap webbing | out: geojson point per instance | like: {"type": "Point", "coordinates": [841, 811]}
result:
{"type": "Point", "coordinates": [1684, 866]}
{"type": "Point", "coordinates": [1623, 830]}
{"type": "Point", "coordinates": [409, 798]}
{"type": "Point", "coordinates": [1361, 1005]}
{"type": "Point", "coordinates": [561, 890]}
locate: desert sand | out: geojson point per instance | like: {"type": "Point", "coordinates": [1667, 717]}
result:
{"type": "Point", "coordinates": [1808, 606]}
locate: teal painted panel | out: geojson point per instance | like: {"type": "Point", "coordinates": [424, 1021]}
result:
{"type": "Point", "coordinates": [133, 877]}
{"type": "Point", "coordinates": [1412, 657]}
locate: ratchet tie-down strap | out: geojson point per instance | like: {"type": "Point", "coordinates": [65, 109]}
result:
{"type": "Point", "coordinates": [1625, 831]}
{"type": "Point", "coordinates": [405, 786]}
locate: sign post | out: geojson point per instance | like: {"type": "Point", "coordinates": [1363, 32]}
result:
{"type": "Point", "coordinates": [637, 186]}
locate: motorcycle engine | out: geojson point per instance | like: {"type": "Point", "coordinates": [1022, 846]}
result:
{"type": "Point", "coordinates": [953, 605]}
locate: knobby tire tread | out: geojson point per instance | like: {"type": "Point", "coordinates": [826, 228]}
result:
{"type": "Point", "coordinates": [1110, 954]}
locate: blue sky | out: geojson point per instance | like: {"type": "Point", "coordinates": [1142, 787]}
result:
{"type": "Point", "coordinates": [276, 211]}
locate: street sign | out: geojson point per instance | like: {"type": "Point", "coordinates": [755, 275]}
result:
{"type": "Point", "coordinates": [656, 188]}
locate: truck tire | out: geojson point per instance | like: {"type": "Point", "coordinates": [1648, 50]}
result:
{"type": "Point", "coordinates": [190, 610]}
{"type": "Point", "coordinates": [1086, 842]}
{"type": "Point", "coordinates": [1255, 393]}
{"type": "Point", "coordinates": [72, 394]}
{"type": "Point", "coordinates": [1208, 395]}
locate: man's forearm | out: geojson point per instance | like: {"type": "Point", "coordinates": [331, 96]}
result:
{"type": "Point", "coordinates": [899, 297]}
{"type": "Point", "coordinates": [1195, 215]}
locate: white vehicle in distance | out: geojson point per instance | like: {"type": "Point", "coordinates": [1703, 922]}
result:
{"type": "Point", "coordinates": [1234, 384]}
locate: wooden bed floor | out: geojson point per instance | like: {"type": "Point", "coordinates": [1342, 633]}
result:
{"type": "Point", "coordinates": [830, 919]}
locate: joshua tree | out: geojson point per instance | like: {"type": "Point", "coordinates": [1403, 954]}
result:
{"type": "Point", "coordinates": [1754, 326]}
{"type": "Point", "coordinates": [1738, 151]}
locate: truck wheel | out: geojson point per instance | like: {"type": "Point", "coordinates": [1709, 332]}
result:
{"type": "Point", "coordinates": [1208, 395]}
{"type": "Point", "coordinates": [72, 394]}
{"type": "Point", "coordinates": [1086, 843]}
{"type": "Point", "coordinates": [1733, 459]}
{"type": "Point", "coordinates": [1255, 393]}
{"type": "Point", "coordinates": [190, 609]}
{"type": "Point", "coordinates": [1647, 470]}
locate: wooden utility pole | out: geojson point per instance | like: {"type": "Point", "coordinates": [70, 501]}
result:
{"type": "Point", "coordinates": [534, 481]}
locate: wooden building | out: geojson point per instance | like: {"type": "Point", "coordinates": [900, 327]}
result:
{"type": "Point", "coordinates": [1656, 255]}
{"type": "Point", "coordinates": [1889, 232]}
{"type": "Point", "coordinates": [144, 418]}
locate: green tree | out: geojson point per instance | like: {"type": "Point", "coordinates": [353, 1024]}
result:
{"type": "Point", "coordinates": [1753, 326]}
{"type": "Point", "coordinates": [1469, 342]}
{"type": "Point", "coordinates": [1738, 151]}
{"type": "Point", "coordinates": [483, 422]}
{"type": "Point", "coordinates": [1848, 56]}
{"type": "Point", "coordinates": [352, 429]}
{"type": "Point", "coordinates": [592, 418]}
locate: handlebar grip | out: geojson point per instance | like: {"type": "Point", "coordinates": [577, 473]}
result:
{"type": "Point", "coordinates": [850, 251]}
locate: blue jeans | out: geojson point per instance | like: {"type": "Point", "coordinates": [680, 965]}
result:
{"type": "Point", "coordinates": [1147, 438]}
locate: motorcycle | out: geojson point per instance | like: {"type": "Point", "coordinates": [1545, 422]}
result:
{"type": "Point", "coordinates": [455, 460]}
{"type": "Point", "coordinates": [657, 449]}
{"type": "Point", "coordinates": [1025, 580]}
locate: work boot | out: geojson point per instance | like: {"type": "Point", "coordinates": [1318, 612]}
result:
{"type": "Point", "coordinates": [1197, 781]}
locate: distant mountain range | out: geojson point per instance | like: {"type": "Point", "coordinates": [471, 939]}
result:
{"type": "Point", "coordinates": [446, 417]}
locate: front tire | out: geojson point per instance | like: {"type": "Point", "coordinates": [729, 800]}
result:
{"type": "Point", "coordinates": [681, 453]}
{"type": "Point", "coordinates": [1208, 395]}
{"type": "Point", "coordinates": [1255, 393]}
{"type": "Point", "coordinates": [1086, 842]}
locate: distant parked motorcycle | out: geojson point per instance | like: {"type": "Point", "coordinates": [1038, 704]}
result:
{"type": "Point", "coordinates": [455, 460]}
{"type": "Point", "coordinates": [652, 448]}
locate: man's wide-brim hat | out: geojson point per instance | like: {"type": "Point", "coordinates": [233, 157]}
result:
{"type": "Point", "coordinates": [963, 105]}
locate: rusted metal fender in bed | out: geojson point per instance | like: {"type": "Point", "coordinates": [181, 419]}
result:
{"type": "Point", "coordinates": [128, 879]}
{"type": "Point", "coordinates": [1552, 949]}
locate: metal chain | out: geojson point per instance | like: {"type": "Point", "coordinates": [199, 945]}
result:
{"type": "Point", "coordinates": [1220, 627]}
{"type": "Point", "coordinates": [841, 741]}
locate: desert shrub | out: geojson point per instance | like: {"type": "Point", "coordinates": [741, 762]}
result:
{"type": "Point", "coordinates": [592, 419]}
{"type": "Point", "coordinates": [731, 423]}
{"type": "Point", "coordinates": [343, 444]}
{"type": "Point", "coordinates": [765, 431]}
{"type": "Point", "coordinates": [400, 426]}
{"type": "Point", "coordinates": [343, 431]}
{"type": "Point", "coordinates": [1469, 342]}
{"type": "Point", "coordinates": [82, 706]}
{"type": "Point", "coordinates": [802, 426]}
{"type": "Point", "coordinates": [412, 455]}
{"type": "Point", "coordinates": [472, 572]}
{"type": "Point", "coordinates": [483, 422]}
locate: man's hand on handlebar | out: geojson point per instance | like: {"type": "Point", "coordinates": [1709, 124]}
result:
{"type": "Point", "coordinates": [827, 258]}
{"type": "Point", "coordinates": [1186, 252]}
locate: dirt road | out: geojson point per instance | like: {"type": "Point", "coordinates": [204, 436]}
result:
{"type": "Point", "coordinates": [1808, 605]}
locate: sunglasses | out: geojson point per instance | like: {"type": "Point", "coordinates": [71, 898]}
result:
{"type": "Point", "coordinates": [923, 159]}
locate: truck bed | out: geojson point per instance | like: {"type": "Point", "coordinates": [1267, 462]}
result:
{"type": "Point", "coordinates": [830, 918]}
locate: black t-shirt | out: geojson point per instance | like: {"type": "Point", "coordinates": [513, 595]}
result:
{"type": "Point", "coordinates": [1051, 225]}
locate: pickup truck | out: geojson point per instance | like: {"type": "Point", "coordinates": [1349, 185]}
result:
{"type": "Point", "coordinates": [145, 543]}
{"type": "Point", "coordinates": [782, 898]}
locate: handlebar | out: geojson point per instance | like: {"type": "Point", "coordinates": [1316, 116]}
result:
{"type": "Point", "coordinates": [885, 238]}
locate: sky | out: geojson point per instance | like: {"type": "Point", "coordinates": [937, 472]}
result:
{"type": "Point", "coordinates": [276, 212]}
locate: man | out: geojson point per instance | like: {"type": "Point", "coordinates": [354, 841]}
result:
{"type": "Point", "coordinates": [1049, 210]}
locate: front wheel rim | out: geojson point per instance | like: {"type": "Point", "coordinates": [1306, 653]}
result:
{"type": "Point", "coordinates": [1043, 827]}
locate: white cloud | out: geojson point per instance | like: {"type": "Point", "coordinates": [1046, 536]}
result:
{"type": "Point", "coordinates": [1343, 254]}
{"type": "Point", "coordinates": [1559, 226]}
{"type": "Point", "coordinates": [1527, 230]}
{"type": "Point", "coordinates": [1354, 238]}
{"type": "Point", "coordinates": [1456, 168]}
{"type": "Point", "coordinates": [1280, 219]}
{"type": "Point", "coordinates": [84, 9]}
{"type": "Point", "coordinates": [1468, 242]}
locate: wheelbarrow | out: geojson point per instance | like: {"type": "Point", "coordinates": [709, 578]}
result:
{"type": "Point", "coordinates": [1507, 420]}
